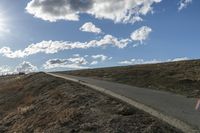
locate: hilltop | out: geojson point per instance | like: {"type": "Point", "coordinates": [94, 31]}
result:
{"type": "Point", "coordinates": [182, 77]}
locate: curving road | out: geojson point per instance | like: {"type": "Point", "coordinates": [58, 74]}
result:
{"type": "Point", "coordinates": [172, 105]}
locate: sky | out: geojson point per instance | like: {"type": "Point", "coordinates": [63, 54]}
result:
{"type": "Point", "coordinates": [55, 35]}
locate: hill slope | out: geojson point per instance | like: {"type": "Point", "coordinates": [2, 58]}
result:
{"type": "Point", "coordinates": [178, 77]}
{"type": "Point", "coordinates": [41, 103]}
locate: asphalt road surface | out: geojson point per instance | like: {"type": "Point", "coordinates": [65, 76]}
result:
{"type": "Point", "coordinates": [176, 106]}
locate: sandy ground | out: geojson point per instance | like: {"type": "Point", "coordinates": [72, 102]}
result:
{"type": "Point", "coordinates": [41, 103]}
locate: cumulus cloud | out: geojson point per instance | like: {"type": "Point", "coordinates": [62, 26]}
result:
{"type": "Point", "coordinates": [99, 58]}
{"type": "Point", "coordinates": [94, 62]}
{"type": "Point", "coordinates": [123, 11]}
{"type": "Point", "coordinates": [75, 62]}
{"type": "Point", "coordinates": [26, 67]}
{"type": "Point", "coordinates": [4, 70]}
{"type": "Point", "coordinates": [183, 4]}
{"type": "Point", "coordinates": [90, 27]}
{"type": "Point", "coordinates": [142, 61]}
{"type": "Point", "coordinates": [50, 47]}
{"type": "Point", "coordinates": [141, 34]}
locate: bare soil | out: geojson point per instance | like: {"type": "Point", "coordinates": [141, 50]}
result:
{"type": "Point", "coordinates": [39, 103]}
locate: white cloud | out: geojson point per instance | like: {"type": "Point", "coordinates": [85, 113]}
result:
{"type": "Point", "coordinates": [136, 45]}
{"type": "Point", "coordinates": [70, 63]}
{"type": "Point", "coordinates": [138, 61]}
{"type": "Point", "coordinates": [183, 4]}
{"type": "Point", "coordinates": [125, 62]}
{"type": "Point", "coordinates": [5, 70]}
{"type": "Point", "coordinates": [179, 59]}
{"type": "Point", "coordinates": [142, 61]}
{"type": "Point", "coordinates": [50, 47]}
{"type": "Point", "coordinates": [90, 27]}
{"type": "Point", "coordinates": [94, 63]}
{"type": "Point", "coordinates": [76, 62]}
{"type": "Point", "coordinates": [86, 56]}
{"type": "Point", "coordinates": [141, 34]}
{"type": "Point", "coordinates": [100, 56]}
{"type": "Point", "coordinates": [123, 11]}
{"type": "Point", "coordinates": [26, 67]}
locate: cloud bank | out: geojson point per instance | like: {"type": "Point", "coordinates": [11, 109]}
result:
{"type": "Point", "coordinates": [76, 62]}
{"type": "Point", "coordinates": [70, 63]}
{"type": "Point", "coordinates": [99, 58]}
{"type": "Point", "coordinates": [119, 11]}
{"type": "Point", "coordinates": [142, 61]}
{"type": "Point", "coordinates": [50, 47]}
{"type": "Point", "coordinates": [138, 61]}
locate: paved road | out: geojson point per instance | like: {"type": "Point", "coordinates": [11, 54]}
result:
{"type": "Point", "coordinates": [177, 106]}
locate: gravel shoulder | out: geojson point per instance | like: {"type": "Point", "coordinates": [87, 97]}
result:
{"type": "Point", "coordinates": [43, 103]}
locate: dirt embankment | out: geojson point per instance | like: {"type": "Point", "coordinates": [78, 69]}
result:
{"type": "Point", "coordinates": [181, 77]}
{"type": "Point", "coordinates": [41, 103]}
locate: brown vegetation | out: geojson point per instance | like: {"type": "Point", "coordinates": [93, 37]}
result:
{"type": "Point", "coordinates": [181, 77]}
{"type": "Point", "coordinates": [42, 103]}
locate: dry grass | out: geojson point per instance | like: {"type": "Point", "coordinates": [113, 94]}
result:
{"type": "Point", "coordinates": [25, 109]}
{"type": "Point", "coordinates": [48, 104]}
{"type": "Point", "coordinates": [178, 77]}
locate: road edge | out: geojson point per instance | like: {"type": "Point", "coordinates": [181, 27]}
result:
{"type": "Point", "coordinates": [168, 119]}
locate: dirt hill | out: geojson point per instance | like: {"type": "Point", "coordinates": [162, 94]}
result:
{"type": "Point", "coordinates": [42, 103]}
{"type": "Point", "coordinates": [181, 77]}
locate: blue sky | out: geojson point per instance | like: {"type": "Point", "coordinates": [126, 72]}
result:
{"type": "Point", "coordinates": [165, 30]}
